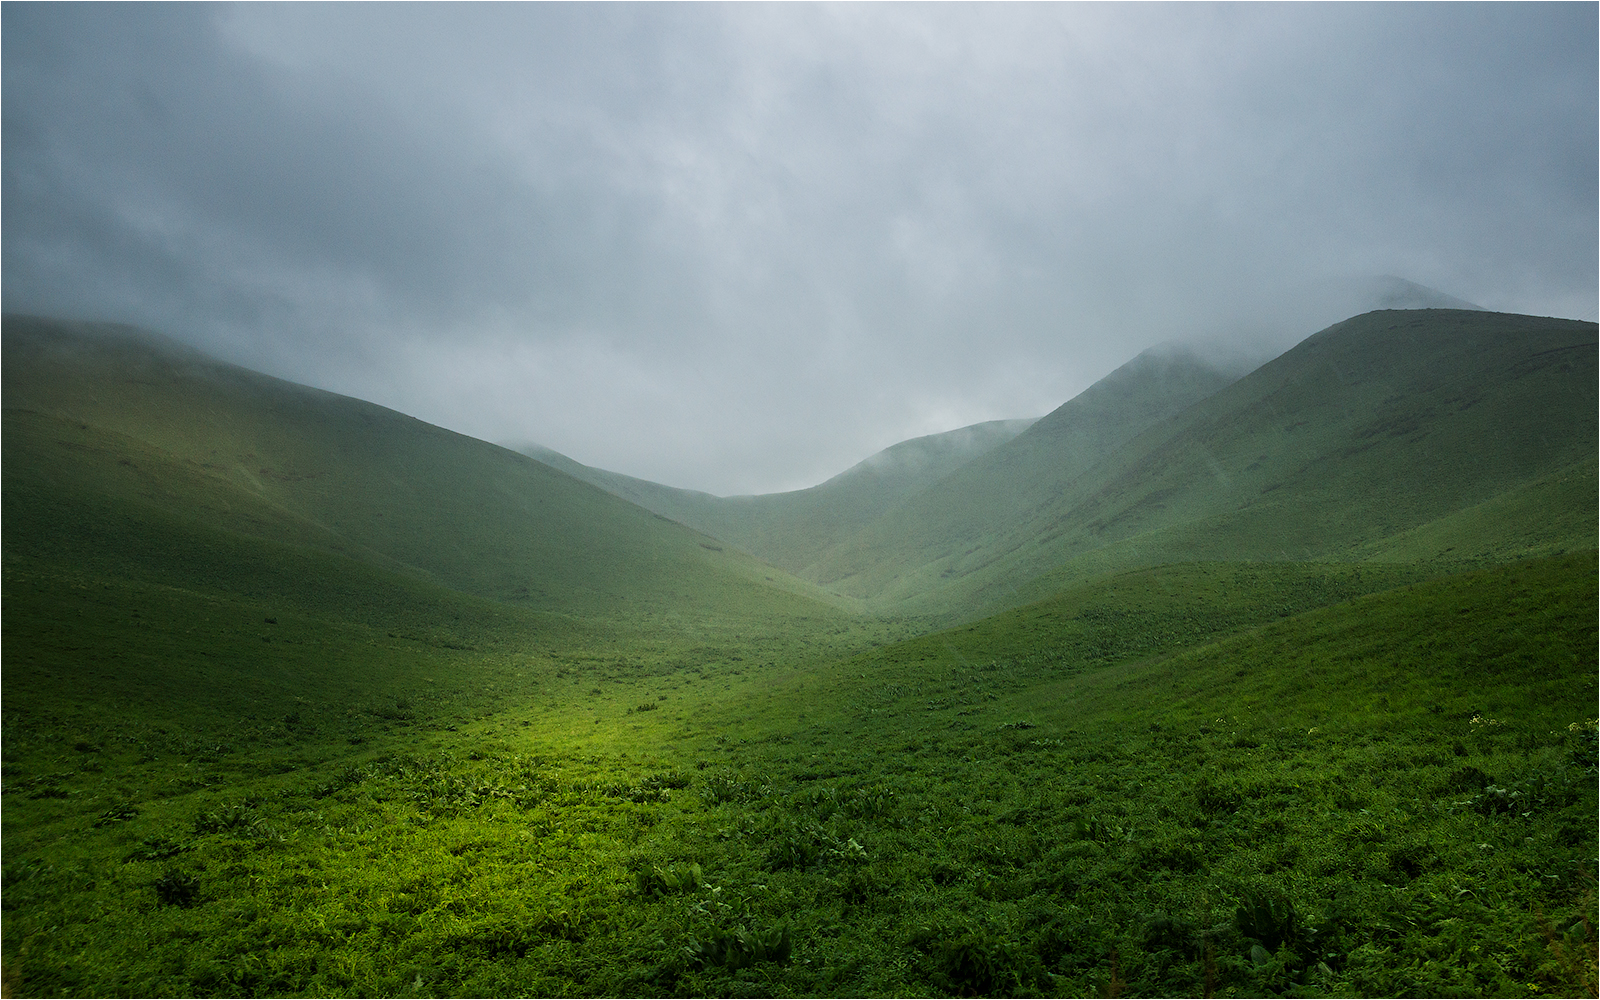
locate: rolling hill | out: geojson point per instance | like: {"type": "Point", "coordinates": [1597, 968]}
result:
{"type": "Point", "coordinates": [1436, 434]}
{"type": "Point", "coordinates": [1382, 434]}
{"type": "Point", "coordinates": [792, 530]}
{"type": "Point", "coordinates": [1378, 426]}
{"type": "Point", "coordinates": [146, 459]}
{"type": "Point", "coordinates": [1287, 690]}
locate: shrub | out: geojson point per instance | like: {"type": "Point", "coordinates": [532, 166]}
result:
{"type": "Point", "coordinates": [727, 787]}
{"type": "Point", "coordinates": [176, 888]}
{"type": "Point", "coordinates": [739, 946]}
{"type": "Point", "coordinates": [974, 959]}
{"type": "Point", "coordinates": [670, 881]}
{"type": "Point", "coordinates": [1216, 799]}
{"type": "Point", "coordinates": [156, 848]}
{"type": "Point", "coordinates": [1467, 779]}
{"type": "Point", "coordinates": [1267, 918]}
{"type": "Point", "coordinates": [228, 818]}
{"type": "Point", "coordinates": [117, 814]}
{"type": "Point", "coordinates": [1162, 930]}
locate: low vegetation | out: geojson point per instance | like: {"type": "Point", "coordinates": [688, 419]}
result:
{"type": "Point", "coordinates": [1392, 794]}
{"type": "Point", "coordinates": [251, 750]}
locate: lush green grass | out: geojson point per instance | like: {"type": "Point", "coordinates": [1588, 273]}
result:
{"type": "Point", "coordinates": [1389, 795]}
{"type": "Point", "coordinates": [257, 744]}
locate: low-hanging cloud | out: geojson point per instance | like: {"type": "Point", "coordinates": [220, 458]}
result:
{"type": "Point", "coordinates": [737, 248]}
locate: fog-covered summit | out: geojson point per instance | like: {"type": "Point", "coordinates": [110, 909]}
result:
{"type": "Point", "coordinates": [934, 455]}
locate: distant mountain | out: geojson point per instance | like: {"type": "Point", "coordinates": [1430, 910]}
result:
{"type": "Point", "coordinates": [1015, 481]}
{"type": "Point", "coordinates": [791, 530]}
{"type": "Point", "coordinates": [1409, 434]}
{"type": "Point", "coordinates": [1397, 435]}
{"type": "Point", "coordinates": [125, 449]}
{"type": "Point", "coordinates": [1417, 434]}
{"type": "Point", "coordinates": [902, 469]}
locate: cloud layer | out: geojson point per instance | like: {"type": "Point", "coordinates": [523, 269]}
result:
{"type": "Point", "coordinates": [737, 248]}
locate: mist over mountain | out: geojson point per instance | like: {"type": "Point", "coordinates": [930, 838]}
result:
{"type": "Point", "coordinates": [735, 249]}
{"type": "Point", "coordinates": [792, 529]}
{"type": "Point", "coordinates": [1165, 458]}
{"type": "Point", "coordinates": [1030, 500]}
{"type": "Point", "coordinates": [1391, 292]}
{"type": "Point", "coordinates": [920, 461]}
{"type": "Point", "coordinates": [302, 632]}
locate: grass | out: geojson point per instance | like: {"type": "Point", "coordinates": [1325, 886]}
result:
{"type": "Point", "coordinates": [254, 745]}
{"type": "Point", "coordinates": [1378, 426]}
{"type": "Point", "coordinates": [150, 443]}
{"type": "Point", "coordinates": [1390, 794]}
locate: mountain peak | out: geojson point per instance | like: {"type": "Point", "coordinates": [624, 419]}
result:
{"type": "Point", "coordinates": [1390, 291]}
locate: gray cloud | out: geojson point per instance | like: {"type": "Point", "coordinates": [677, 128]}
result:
{"type": "Point", "coordinates": [738, 248]}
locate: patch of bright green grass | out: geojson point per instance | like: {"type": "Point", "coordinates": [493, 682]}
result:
{"type": "Point", "coordinates": [1392, 794]}
{"type": "Point", "coordinates": [255, 744]}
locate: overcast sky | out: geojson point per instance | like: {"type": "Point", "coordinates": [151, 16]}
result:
{"type": "Point", "coordinates": [738, 248]}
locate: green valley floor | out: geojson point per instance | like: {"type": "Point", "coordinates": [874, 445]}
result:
{"type": "Point", "coordinates": [1207, 779]}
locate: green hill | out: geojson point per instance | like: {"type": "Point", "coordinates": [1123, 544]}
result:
{"type": "Point", "coordinates": [951, 519]}
{"type": "Point", "coordinates": [145, 459]}
{"type": "Point", "coordinates": [793, 529]}
{"type": "Point", "coordinates": [1378, 426]}
{"type": "Point", "coordinates": [306, 697]}
{"type": "Point", "coordinates": [937, 491]}
{"type": "Point", "coordinates": [1453, 436]}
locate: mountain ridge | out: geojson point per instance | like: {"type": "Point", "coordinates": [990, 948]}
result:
{"type": "Point", "coordinates": [791, 529]}
{"type": "Point", "coordinates": [1374, 427]}
{"type": "Point", "coordinates": [1278, 448]}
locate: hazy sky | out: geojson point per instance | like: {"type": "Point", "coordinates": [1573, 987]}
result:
{"type": "Point", "coordinates": [738, 248]}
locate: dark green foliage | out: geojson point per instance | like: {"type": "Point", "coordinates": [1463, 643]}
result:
{"type": "Point", "coordinates": [117, 814]}
{"type": "Point", "coordinates": [719, 787]}
{"type": "Point", "coordinates": [1466, 779]}
{"type": "Point", "coordinates": [669, 881]}
{"type": "Point", "coordinates": [1269, 919]}
{"type": "Point", "coordinates": [1165, 932]}
{"type": "Point", "coordinates": [155, 848]}
{"type": "Point", "coordinates": [974, 959]}
{"type": "Point", "coordinates": [177, 888]}
{"type": "Point", "coordinates": [739, 946]}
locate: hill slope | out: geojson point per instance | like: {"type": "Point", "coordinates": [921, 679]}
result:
{"type": "Point", "coordinates": [115, 438]}
{"type": "Point", "coordinates": [1379, 425]}
{"type": "Point", "coordinates": [793, 529]}
{"type": "Point", "coordinates": [1435, 434]}
{"type": "Point", "coordinates": [1026, 475]}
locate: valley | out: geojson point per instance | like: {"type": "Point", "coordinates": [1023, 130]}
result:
{"type": "Point", "coordinates": [1210, 682]}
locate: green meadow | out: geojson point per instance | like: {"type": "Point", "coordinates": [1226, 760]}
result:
{"type": "Point", "coordinates": [1287, 689]}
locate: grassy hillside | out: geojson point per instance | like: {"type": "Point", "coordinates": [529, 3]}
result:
{"type": "Point", "coordinates": [1011, 484]}
{"type": "Point", "coordinates": [136, 455]}
{"type": "Point", "coordinates": [1459, 437]}
{"type": "Point", "coordinates": [933, 493]}
{"type": "Point", "coordinates": [303, 697]}
{"type": "Point", "coordinates": [792, 530]}
{"type": "Point", "coordinates": [1378, 426]}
